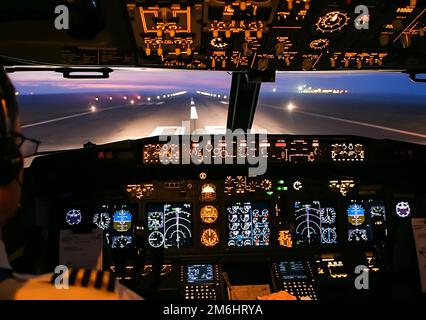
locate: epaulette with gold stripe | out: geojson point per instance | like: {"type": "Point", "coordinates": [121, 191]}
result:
{"type": "Point", "coordinates": [86, 278]}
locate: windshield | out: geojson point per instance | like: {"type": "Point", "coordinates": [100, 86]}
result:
{"type": "Point", "coordinates": [380, 105]}
{"type": "Point", "coordinates": [67, 113]}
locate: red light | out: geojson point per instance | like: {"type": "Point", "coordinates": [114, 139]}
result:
{"type": "Point", "coordinates": [280, 144]}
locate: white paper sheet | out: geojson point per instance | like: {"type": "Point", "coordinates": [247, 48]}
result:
{"type": "Point", "coordinates": [419, 231]}
{"type": "Point", "coordinates": [81, 250]}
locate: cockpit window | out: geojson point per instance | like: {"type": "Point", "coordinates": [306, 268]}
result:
{"type": "Point", "coordinates": [380, 105]}
{"type": "Point", "coordinates": [67, 113]}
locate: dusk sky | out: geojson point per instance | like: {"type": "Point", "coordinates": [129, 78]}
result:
{"type": "Point", "coordinates": [164, 80]}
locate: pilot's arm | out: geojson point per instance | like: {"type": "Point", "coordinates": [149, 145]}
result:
{"type": "Point", "coordinates": [83, 285]}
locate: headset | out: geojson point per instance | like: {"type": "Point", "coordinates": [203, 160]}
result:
{"type": "Point", "coordinates": [11, 161]}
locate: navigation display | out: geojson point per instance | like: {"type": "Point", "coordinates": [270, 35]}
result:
{"type": "Point", "coordinates": [248, 224]}
{"type": "Point", "coordinates": [169, 225]}
{"type": "Point", "coordinates": [200, 273]}
{"type": "Point", "coordinates": [315, 223]}
{"type": "Point", "coordinates": [359, 214]}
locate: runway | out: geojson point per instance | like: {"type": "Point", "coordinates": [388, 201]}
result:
{"type": "Point", "coordinates": [69, 121]}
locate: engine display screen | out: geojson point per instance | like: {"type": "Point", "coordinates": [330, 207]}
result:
{"type": "Point", "coordinates": [315, 223]}
{"type": "Point", "coordinates": [169, 225]}
{"type": "Point", "coordinates": [292, 270]}
{"type": "Point", "coordinates": [200, 273]}
{"type": "Point", "coordinates": [248, 224]}
{"type": "Point", "coordinates": [359, 218]}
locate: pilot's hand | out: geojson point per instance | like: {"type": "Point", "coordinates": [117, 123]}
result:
{"type": "Point", "coordinates": [280, 295]}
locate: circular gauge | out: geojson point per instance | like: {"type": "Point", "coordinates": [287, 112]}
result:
{"type": "Point", "coordinates": [156, 239]}
{"type": "Point", "coordinates": [209, 238]}
{"type": "Point", "coordinates": [155, 220]}
{"type": "Point", "coordinates": [233, 218]}
{"type": "Point", "coordinates": [234, 226]}
{"type": "Point", "coordinates": [328, 216]}
{"type": "Point", "coordinates": [177, 228]}
{"type": "Point", "coordinates": [209, 214]}
{"type": "Point", "coordinates": [245, 217]}
{"type": "Point", "coordinates": [329, 235]}
{"type": "Point", "coordinates": [266, 184]}
{"type": "Point", "coordinates": [357, 235]}
{"type": "Point", "coordinates": [102, 220]}
{"type": "Point", "coordinates": [356, 214]}
{"type": "Point", "coordinates": [378, 211]}
{"type": "Point", "coordinates": [319, 44]}
{"type": "Point", "coordinates": [73, 217]}
{"type": "Point", "coordinates": [218, 43]}
{"type": "Point", "coordinates": [121, 242]}
{"type": "Point", "coordinates": [403, 209]}
{"type": "Point", "coordinates": [332, 21]}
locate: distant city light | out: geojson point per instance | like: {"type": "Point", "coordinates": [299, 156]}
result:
{"type": "Point", "coordinates": [225, 97]}
{"type": "Point", "coordinates": [97, 99]}
{"type": "Point", "coordinates": [149, 99]}
{"type": "Point", "coordinates": [110, 98]}
{"type": "Point", "coordinates": [125, 98]}
{"type": "Point", "coordinates": [17, 93]}
{"type": "Point", "coordinates": [158, 97]}
{"type": "Point", "coordinates": [164, 95]}
{"type": "Point", "coordinates": [139, 97]}
{"type": "Point", "coordinates": [93, 108]}
{"type": "Point", "coordinates": [304, 89]}
{"type": "Point", "coordinates": [132, 101]}
{"type": "Point", "coordinates": [275, 89]}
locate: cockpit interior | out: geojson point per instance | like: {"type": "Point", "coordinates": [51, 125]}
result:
{"type": "Point", "coordinates": [223, 149]}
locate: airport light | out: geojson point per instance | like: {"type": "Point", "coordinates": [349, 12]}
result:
{"type": "Point", "coordinates": [158, 97]}
{"type": "Point", "coordinates": [97, 99]}
{"type": "Point", "coordinates": [17, 93]}
{"type": "Point", "coordinates": [291, 107]}
{"type": "Point", "coordinates": [149, 99]}
{"type": "Point", "coordinates": [132, 101]}
{"type": "Point", "coordinates": [93, 108]}
{"type": "Point", "coordinates": [274, 89]}
{"type": "Point", "coordinates": [125, 98]}
{"type": "Point", "coordinates": [139, 97]}
{"type": "Point", "coordinates": [110, 98]}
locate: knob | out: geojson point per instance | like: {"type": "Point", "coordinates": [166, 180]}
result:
{"type": "Point", "coordinates": [307, 64]}
{"type": "Point", "coordinates": [213, 63]}
{"type": "Point", "coordinates": [227, 33]}
{"type": "Point", "coordinates": [307, 4]}
{"type": "Point", "coordinates": [371, 61]}
{"type": "Point", "coordinates": [379, 62]}
{"type": "Point", "coordinates": [243, 5]}
{"type": "Point", "coordinates": [259, 34]}
{"type": "Point", "coordinates": [147, 51]}
{"type": "Point", "coordinates": [246, 49]}
{"type": "Point", "coordinates": [172, 33]}
{"type": "Point", "coordinates": [247, 34]}
{"type": "Point", "coordinates": [287, 61]}
{"type": "Point", "coordinates": [359, 63]}
{"type": "Point", "coordinates": [406, 40]}
{"type": "Point", "coordinates": [215, 33]}
{"type": "Point", "coordinates": [178, 51]}
{"type": "Point", "coordinates": [384, 40]}
{"type": "Point", "coordinates": [160, 51]}
{"type": "Point", "coordinates": [223, 64]}
{"type": "Point", "coordinates": [165, 14]}
{"type": "Point", "coordinates": [397, 25]}
{"type": "Point", "coordinates": [262, 64]}
{"type": "Point", "coordinates": [279, 49]}
{"type": "Point", "coordinates": [159, 33]}
{"type": "Point", "coordinates": [346, 63]}
{"type": "Point", "coordinates": [333, 62]}
{"type": "Point", "coordinates": [189, 51]}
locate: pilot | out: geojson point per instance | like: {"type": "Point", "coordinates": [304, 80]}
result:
{"type": "Point", "coordinates": [82, 284]}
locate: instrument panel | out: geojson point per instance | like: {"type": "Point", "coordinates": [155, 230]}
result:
{"type": "Point", "coordinates": [303, 225]}
{"type": "Point", "coordinates": [231, 35]}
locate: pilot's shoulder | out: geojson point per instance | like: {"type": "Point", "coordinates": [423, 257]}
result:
{"type": "Point", "coordinates": [79, 284]}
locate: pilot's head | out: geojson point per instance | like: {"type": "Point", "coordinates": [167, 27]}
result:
{"type": "Point", "coordinates": [11, 164]}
